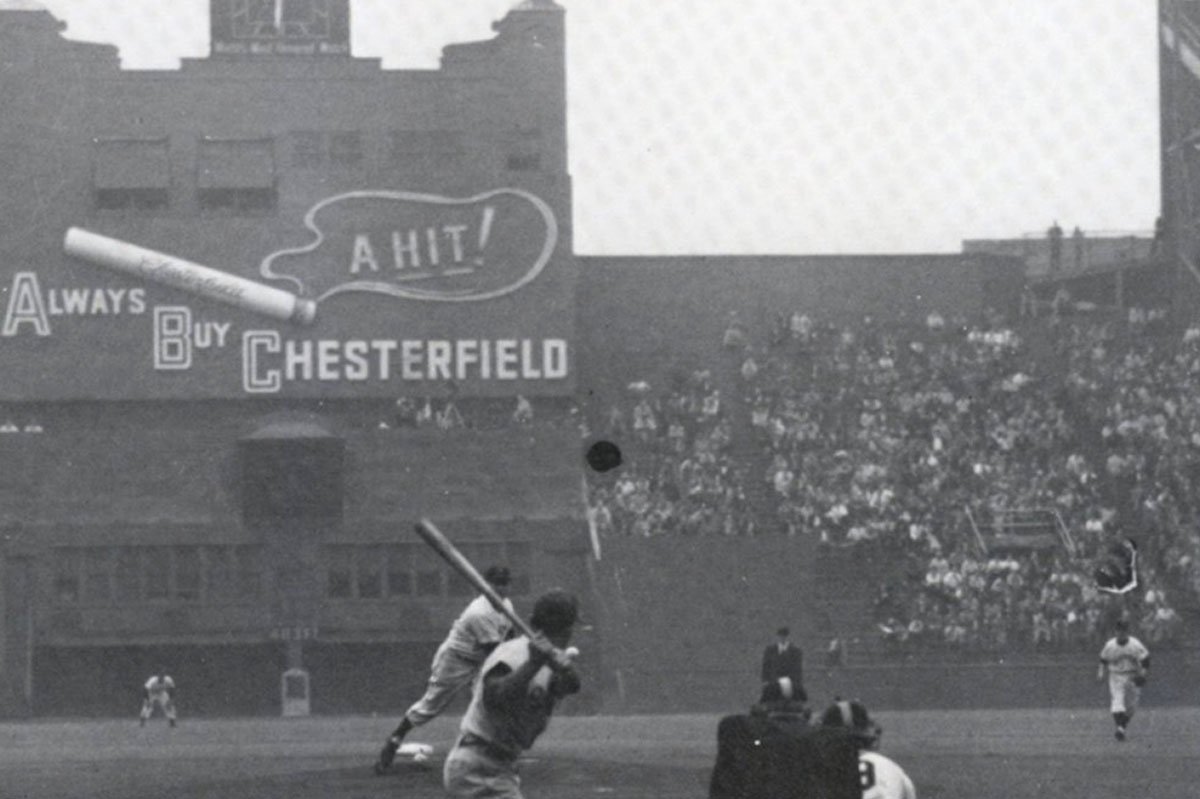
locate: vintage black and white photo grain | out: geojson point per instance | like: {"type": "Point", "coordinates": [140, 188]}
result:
{"type": "Point", "coordinates": [576, 398]}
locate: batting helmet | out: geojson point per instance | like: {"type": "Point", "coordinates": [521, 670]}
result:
{"type": "Point", "coordinates": [554, 611]}
{"type": "Point", "coordinates": [854, 717]}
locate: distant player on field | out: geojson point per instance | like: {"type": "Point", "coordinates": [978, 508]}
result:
{"type": "Point", "coordinates": [1126, 660]}
{"type": "Point", "coordinates": [158, 691]}
{"type": "Point", "coordinates": [880, 777]}
{"type": "Point", "coordinates": [473, 636]}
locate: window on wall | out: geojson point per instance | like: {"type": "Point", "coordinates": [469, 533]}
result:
{"type": "Point", "coordinates": [66, 576]}
{"type": "Point", "coordinates": [315, 148]}
{"type": "Point", "coordinates": [427, 573]}
{"type": "Point", "coordinates": [130, 174]}
{"type": "Point", "coordinates": [399, 570]}
{"type": "Point", "coordinates": [370, 573]}
{"type": "Point", "coordinates": [188, 574]}
{"type": "Point", "coordinates": [156, 572]}
{"type": "Point", "coordinates": [132, 575]}
{"type": "Point", "coordinates": [432, 147]}
{"type": "Point", "coordinates": [236, 176]}
{"type": "Point", "coordinates": [406, 570]}
{"type": "Point", "coordinates": [98, 575]}
{"type": "Point", "coordinates": [339, 573]}
{"type": "Point", "coordinates": [128, 575]}
{"type": "Point", "coordinates": [523, 162]}
{"type": "Point", "coordinates": [249, 572]}
{"type": "Point", "coordinates": [218, 572]}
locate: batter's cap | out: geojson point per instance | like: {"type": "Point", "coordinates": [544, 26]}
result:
{"type": "Point", "coordinates": [498, 575]}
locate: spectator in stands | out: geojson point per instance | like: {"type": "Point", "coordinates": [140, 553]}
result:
{"type": "Point", "coordinates": [426, 416]}
{"type": "Point", "coordinates": [449, 417]}
{"type": "Point", "coordinates": [523, 414]}
{"type": "Point", "coordinates": [735, 333]}
{"type": "Point", "coordinates": [406, 411]}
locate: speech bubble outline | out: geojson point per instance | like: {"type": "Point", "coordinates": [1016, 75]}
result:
{"type": "Point", "coordinates": [266, 266]}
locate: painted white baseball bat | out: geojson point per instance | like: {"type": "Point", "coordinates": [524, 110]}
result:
{"type": "Point", "coordinates": [178, 273]}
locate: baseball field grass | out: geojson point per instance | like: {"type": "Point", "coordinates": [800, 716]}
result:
{"type": "Point", "coordinates": [981, 754]}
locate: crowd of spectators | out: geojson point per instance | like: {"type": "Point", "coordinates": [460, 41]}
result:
{"type": "Point", "coordinates": [479, 413]}
{"type": "Point", "coordinates": [992, 477]}
{"type": "Point", "coordinates": [679, 476]}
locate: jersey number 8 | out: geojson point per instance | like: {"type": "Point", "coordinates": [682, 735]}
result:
{"type": "Point", "coordinates": [866, 775]}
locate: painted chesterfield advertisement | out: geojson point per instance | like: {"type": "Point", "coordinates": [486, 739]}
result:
{"type": "Point", "coordinates": [366, 293]}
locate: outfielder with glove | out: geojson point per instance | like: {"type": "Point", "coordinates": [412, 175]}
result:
{"type": "Point", "coordinates": [1127, 661]}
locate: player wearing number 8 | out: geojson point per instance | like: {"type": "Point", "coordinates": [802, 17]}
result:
{"type": "Point", "coordinates": [880, 776]}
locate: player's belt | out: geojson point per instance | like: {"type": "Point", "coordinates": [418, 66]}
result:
{"type": "Point", "coordinates": [473, 741]}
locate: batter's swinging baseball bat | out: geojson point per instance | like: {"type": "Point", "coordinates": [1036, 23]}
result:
{"type": "Point", "coordinates": [450, 553]}
{"type": "Point", "coordinates": [442, 545]}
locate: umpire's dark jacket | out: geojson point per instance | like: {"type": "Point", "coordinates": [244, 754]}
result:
{"type": "Point", "coordinates": [788, 663]}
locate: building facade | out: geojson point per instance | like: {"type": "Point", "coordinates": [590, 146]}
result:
{"type": "Point", "coordinates": [199, 479]}
{"type": "Point", "coordinates": [246, 306]}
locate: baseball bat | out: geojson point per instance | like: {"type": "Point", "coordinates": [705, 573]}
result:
{"type": "Point", "coordinates": [196, 278]}
{"type": "Point", "coordinates": [458, 561]}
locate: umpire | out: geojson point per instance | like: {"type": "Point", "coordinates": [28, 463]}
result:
{"type": "Point", "coordinates": [783, 669]}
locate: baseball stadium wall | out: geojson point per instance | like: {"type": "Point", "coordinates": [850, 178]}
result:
{"type": "Point", "coordinates": [1179, 129]}
{"type": "Point", "coordinates": [634, 310]}
{"type": "Point", "coordinates": [216, 283]}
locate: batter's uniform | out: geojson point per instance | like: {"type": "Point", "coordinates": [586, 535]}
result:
{"type": "Point", "coordinates": [483, 762]}
{"type": "Point", "coordinates": [159, 691]}
{"type": "Point", "coordinates": [882, 778]}
{"type": "Point", "coordinates": [1124, 662]}
{"type": "Point", "coordinates": [477, 630]}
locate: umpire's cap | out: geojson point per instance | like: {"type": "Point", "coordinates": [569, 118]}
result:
{"type": "Point", "coordinates": [554, 612]}
{"type": "Point", "coordinates": [498, 575]}
{"type": "Point", "coordinates": [854, 717]}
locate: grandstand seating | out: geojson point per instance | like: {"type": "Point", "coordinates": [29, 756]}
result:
{"type": "Point", "coordinates": [973, 451]}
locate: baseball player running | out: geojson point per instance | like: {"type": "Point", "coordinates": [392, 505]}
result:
{"type": "Point", "coordinates": [473, 636]}
{"type": "Point", "coordinates": [158, 691]}
{"type": "Point", "coordinates": [1127, 661]}
{"type": "Point", "coordinates": [880, 777]}
{"type": "Point", "coordinates": [511, 703]}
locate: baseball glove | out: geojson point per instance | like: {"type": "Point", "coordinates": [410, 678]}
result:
{"type": "Point", "coordinates": [1139, 680]}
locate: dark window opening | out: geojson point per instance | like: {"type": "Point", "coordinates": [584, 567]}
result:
{"type": "Point", "coordinates": [524, 163]}
{"type": "Point", "coordinates": [132, 199]}
{"type": "Point", "coordinates": [238, 200]}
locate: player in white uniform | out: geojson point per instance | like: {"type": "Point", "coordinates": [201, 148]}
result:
{"type": "Point", "coordinates": [1126, 660]}
{"type": "Point", "coordinates": [880, 777]}
{"type": "Point", "coordinates": [478, 630]}
{"type": "Point", "coordinates": [511, 703]}
{"type": "Point", "coordinates": [158, 691]}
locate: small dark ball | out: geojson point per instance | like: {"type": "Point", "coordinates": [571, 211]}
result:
{"type": "Point", "coordinates": [603, 456]}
